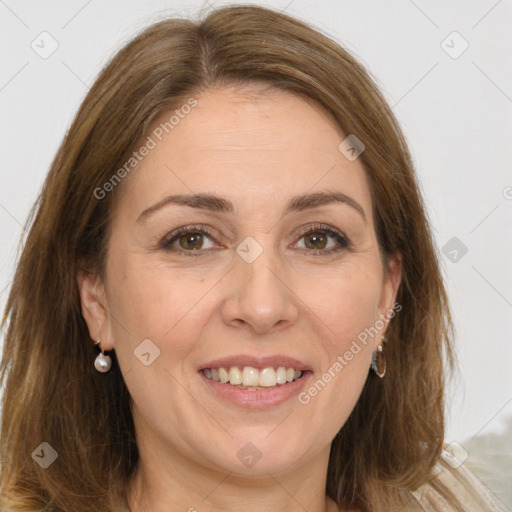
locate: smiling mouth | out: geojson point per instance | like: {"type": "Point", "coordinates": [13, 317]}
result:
{"type": "Point", "coordinates": [250, 378]}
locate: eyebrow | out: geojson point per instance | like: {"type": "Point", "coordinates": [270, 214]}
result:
{"type": "Point", "coordinates": [221, 205]}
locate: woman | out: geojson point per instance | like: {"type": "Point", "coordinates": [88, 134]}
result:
{"type": "Point", "coordinates": [229, 295]}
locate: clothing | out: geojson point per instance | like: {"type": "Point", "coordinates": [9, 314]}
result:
{"type": "Point", "coordinates": [472, 495]}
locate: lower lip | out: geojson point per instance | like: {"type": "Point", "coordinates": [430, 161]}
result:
{"type": "Point", "coordinates": [257, 399]}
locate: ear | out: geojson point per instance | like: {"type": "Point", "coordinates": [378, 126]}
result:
{"type": "Point", "coordinates": [391, 283]}
{"type": "Point", "coordinates": [95, 308]}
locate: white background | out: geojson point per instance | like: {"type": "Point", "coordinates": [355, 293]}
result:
{"type": "Point", "coordinates": [456, 114]}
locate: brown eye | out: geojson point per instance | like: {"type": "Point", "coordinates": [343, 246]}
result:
{"type": "Point", "coordinates": [318, 239]}
{"type": "Point", "coordinates": [188, 240]}
{"type": "Point", "coordinates": [191, 241]}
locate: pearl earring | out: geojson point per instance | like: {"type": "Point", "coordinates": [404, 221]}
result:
{"type": "Point", "coordinates": [102, 363]}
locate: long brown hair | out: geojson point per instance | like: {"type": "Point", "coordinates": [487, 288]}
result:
{"type": "Point", "coordinates": [391, 441]}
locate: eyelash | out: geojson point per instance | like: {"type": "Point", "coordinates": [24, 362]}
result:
{"type": "Point", "coordinates": [166, 243]}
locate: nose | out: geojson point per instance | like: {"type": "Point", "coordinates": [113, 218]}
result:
{"type": "Point", "coordinates": [259, 296]}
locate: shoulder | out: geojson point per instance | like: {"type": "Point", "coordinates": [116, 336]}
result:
{"type": "Point", "coordinates": [452, 474]}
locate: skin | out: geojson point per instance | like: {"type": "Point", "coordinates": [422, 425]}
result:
{"type": "Point", "coordinates": [258, 151]}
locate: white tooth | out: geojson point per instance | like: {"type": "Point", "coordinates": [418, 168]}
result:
{"type": "Point", "coordinates": [267, 377]}
{"type": "Point", "coordinates": [235, 376]}
{"type": "Point", "coordinates": [250, 376]}
{"type": "Point", "coordinates": [207, 372]}
{"type": "Point", "coordinates": [297, 374]}
{"type": "Point", "coordinates": [290, 373]}
{"type": "Point", "coordinates": [223, 375]}
{"type": "Point", "coordinates": [281, 375]}
{"type": "Point", "coordinates": [215, 374]}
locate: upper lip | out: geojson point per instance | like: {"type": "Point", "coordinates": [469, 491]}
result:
{"type": "Point", "coordinates": [242, 360]}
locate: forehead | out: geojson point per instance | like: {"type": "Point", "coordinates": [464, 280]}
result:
{"type": "Point", "coordinates": [248, 145]}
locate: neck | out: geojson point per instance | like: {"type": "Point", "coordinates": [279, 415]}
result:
{"type": "Point", "coordinates": [181, 486]}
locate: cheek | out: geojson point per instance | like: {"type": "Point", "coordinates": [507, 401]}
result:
{"type": "Point", "coordinates": [149, 300]}
{"type": "Point", "coordinates": [347, 314]}
{"type": "Point", "coordinates": [348, 309]}
{"type": "Point", "coordinates": [347, 304]}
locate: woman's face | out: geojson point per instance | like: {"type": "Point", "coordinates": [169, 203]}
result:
{"type": "Point", "coordinates": [265, 278]}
